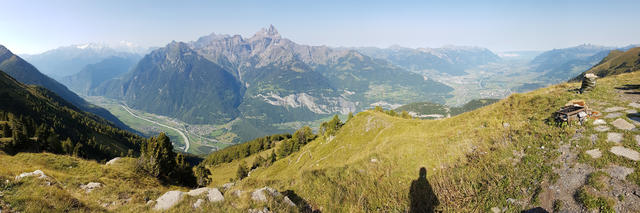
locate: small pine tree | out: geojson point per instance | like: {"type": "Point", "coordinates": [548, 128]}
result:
{"type": "Point", "coordinates": [67, 146]}
{"type": "Point", "coordinates": [242, 171]}
{"type": "Point", "coordinates": [202, 175]}
{"type": "Point", "coordinates": [258, 161]}
{"type": "Point", "coordinates": [405, 115]}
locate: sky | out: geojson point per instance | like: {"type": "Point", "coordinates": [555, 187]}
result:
{"type": "Point", "coordinates": [30, 26]}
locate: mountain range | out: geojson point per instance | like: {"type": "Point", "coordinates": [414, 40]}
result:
{"type": "Point", "coordinates": [69, 60]}
{"type": "Point", "coordinates": [452, 60]}
{"type": "Point", "coordinates": [26, 73]}
{"type": "Point", "coordinates": [263, 80]}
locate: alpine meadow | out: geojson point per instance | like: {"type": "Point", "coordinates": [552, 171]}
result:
{"type": "Point", "coordinates": [346, 106]}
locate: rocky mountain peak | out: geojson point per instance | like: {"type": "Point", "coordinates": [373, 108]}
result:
{"type": "Point", "coordinates": [269, 32]}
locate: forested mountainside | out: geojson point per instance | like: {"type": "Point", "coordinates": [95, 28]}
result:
{"type": "Point", "coordinates": [35, 119]}
{"type": "Point", "coordinates": [26, 73]}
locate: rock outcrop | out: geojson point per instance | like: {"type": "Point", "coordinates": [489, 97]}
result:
{"type": "Point", "coordinates": [38, 173]}
{"type": "Point", "coordinates": [168, 200]}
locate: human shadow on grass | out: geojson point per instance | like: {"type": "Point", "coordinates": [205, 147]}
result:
{"type": "Point", "coordinates": [421, 195]}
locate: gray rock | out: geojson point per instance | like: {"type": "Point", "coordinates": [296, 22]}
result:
{"type": "Point", "coordinates": [198, 203]}
{"type": "Point", "coordinates": [227, 186]}
{"type": "Point", "coordinates": [619, 172]}
{"type": "Point", "coordinates": [374, 160]}
{"type": "Point", "coordinates": [624, 152]}
{"type": "Point", "coordinates": [113, 161]}
{"type": "Point", "coordinates": [259, 195]}
{"type": "Point", "coordinates": [614, 109]}
{"type": "Point", "coordinates": [614, 137]}
{"type": "Point", "coordinates": [90, 186]}
{"type": "Point", "coordinates": [288, 201]}
{"type": "Point", "coordinates": [38, 173]}
{"type": "Point", "coordinates": [613, 115]}
{"type": "Point", "coordinates": [622, 124]}
{"type": "Point", "coordinates": [594, 138]}
{"type": "Point", "coordinates": [496, 210]}
{"type": "Point", "coordinates": [198, 191]}
{"type": "Point", "coordinates": [594, 153]}
{"type": "Point", "coordinates": [637, 137]}
{"type": "Point", "coordinates": [213, 194]}
{"type": "Point", "coordinates": [634, 105]}
{"type": "Point", "coordinates": [631, 111]}
{"type": "Point", "coordinates": [602, 128]}
{"type": "Point", "coordinates": [168, 200]}
{"type": "Point", "coordinates": [263, 210]}
{"type": "Point", "coordinates": [599, 122]}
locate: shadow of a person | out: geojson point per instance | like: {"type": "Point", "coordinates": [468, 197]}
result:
{"type": "Point", "coordinates": [421, 194]}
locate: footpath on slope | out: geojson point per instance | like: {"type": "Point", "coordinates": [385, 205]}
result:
{"type": "Point", "coordinates": [574, 173]}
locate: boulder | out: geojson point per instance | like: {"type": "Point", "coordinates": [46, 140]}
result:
{"type": "Point", "coordinates": [625, 152]}
{"type": "Point", "coordinates": [168, 200]}
{"type": "Point", "coordinates": [634, 105]}
{"type": "Point", "coordinates": [90, 186]}
{"type": "Point", "coordinates": [227, 186]}
{"type": "Point", "coordinates": [263, 210]}
{"type": "Point", "coordinates": [622, 124]}
{"type": "Point", "coordinates": [259, 195]}
{"type": "Point", "coordinates": [631, 111]}
{"type": "Point", "coordinates": [594, 153]}
{"type": "Point", "coordinates": [288, 201]}
{"type": "Point", "coordinates": [112, 161]}
{"type": "Point", "coordinates": [213, 194]}
{"type": "Point", "coordinates": [38, 173]}
{"type": "Point", "coordinates": [637, 137]}
{"type": "Point", "coordinates": [614, 137]}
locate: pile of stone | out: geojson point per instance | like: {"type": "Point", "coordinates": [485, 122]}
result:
{"type": "Point", "coordinates": [588, 82]}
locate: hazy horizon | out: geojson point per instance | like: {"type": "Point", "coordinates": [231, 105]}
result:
{"type": "Point", "coordinates": [38, 26]}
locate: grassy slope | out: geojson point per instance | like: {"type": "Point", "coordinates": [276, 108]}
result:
{"type": "Point", "coordinates": [471, 161]}
{"type": "Point", "coordinates": [617, 62]}
{"type": "Point", "coordinates": [470, 157]}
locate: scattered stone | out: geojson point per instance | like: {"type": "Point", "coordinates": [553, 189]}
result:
{"type": "Point", "coordinates": [622, 124]}
{"type": "Point", "coordinates": [594, 138]}
{"type": "Point", "coordinates": [511, 200]}
{"type": "Point", "coordinates": [264, 210]}
{"type": "Point", "coordinates": [213, 194]}
{"type": "Point", "coordinates": [112, 161]}
{"type": "Point", "coordinates": [496, 210]}
{"type": "Point", "coordinates": [168, 200]}
{"type": "Point", "coordinates": [227, 186]}
{"type": "Point", "coordinates": [619, 172]}
{"type": "Point", "coordinates": [613, 115]}
{"type": "Point", "coordinates": [150, 202]}
{"type": "Point", "coordinates": [637, 137]}
{"type": "Point", "coordinates": [614, 109]}
{"type": "Point", "coordinates": [599, 122]}
{"type": "Point", "coordinates": [594, 153]}
{"type": "Point", "coordinates": [90, 186]}
{"type": "Point", "coordinates": [288, 201]}
{"type": "Point", "coordinates": [602, 128]}
{"type": "Point", "coordinates": [506, 125]}
{"type": "Point", "coordinates": [198, 203]}
{"type": "Point", "coordinates": [631, 111]}
{"type": "Point", "coordinates": [259, 195]}
{"type": "Point", "coordinates": [634, 105]}
{"type": "Point", "coordinates": [373, 160]}
{"type": "Point", "coordinates": [237, 192]}
{"type": "Point", "coordinates": [624, 152]}
{"type": "Point", "coordinates": [38, 173]}
{"type": "Point", "coordinates": [614, 137]}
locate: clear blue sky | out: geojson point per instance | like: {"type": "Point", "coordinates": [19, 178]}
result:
{"type": "Point", "coordinates": [29, 26]}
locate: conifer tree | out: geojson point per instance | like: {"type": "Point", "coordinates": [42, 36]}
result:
{"type": "Point", "coordinates": [242, 171]}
